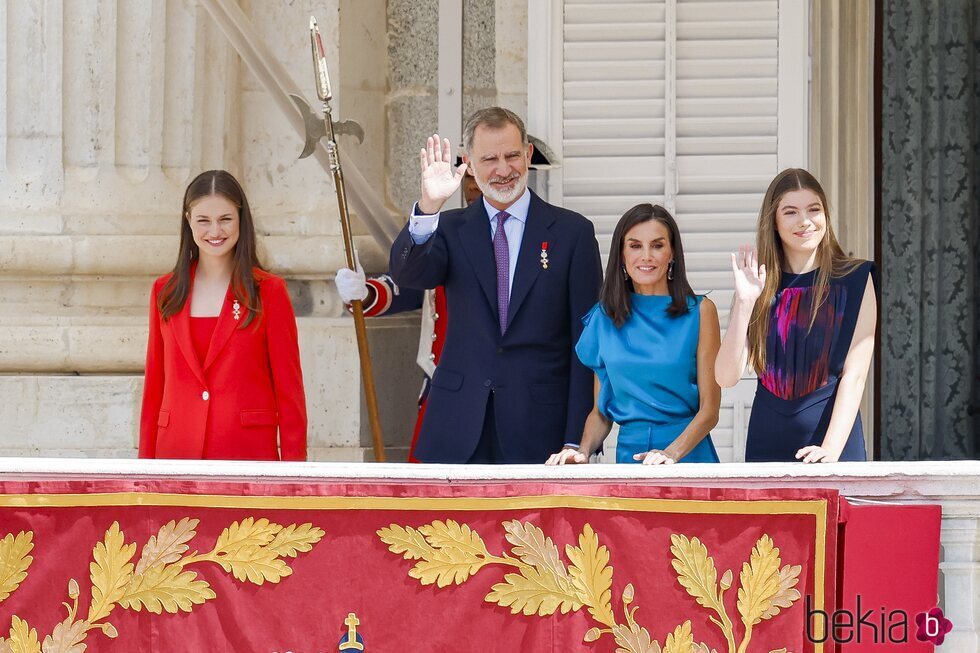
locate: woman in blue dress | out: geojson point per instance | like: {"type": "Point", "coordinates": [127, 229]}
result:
{"type": "Point", "coordinates": [652, 345]}
{"type": "Point", "coordinates": [803, 317]}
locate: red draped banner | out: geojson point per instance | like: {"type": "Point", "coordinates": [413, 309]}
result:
{"type": "Point", "coordinates": [172, 565]}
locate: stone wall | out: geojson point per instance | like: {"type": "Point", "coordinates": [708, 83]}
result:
{"type": "Point", "coordinates": [413, 70]}
{"type": "Point", "coordinates": [494, 46]}
{"type": "Point", "coordinates": [107, 110]}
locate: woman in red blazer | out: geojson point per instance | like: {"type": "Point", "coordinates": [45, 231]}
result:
{"type": "Point", "coordinates": [223, 377]}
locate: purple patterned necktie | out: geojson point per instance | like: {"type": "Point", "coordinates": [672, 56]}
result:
{"type": "Point", "coordinates": [501, 253]}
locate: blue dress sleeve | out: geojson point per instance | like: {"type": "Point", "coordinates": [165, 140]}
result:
{"type": "Point", "coordinates": [854, 283]}
{"type": "Point", "coordinates": [587, 348]}
{"type": "Point", "coordinates": [857, 281]}
{"type": "Point", "coordinates": [589, 351]}
{"type": "Point", "coordinates": [873, 271]}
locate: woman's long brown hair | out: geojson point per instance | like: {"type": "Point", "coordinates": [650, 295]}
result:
{"type": "Point", "coordinates": [244, 286]}
{"type": "Point", "coordinates": [831, 259]}
{"type": "Point", "coordinates": [616, 289]}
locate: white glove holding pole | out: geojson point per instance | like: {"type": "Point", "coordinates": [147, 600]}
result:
{"type": "Point", "coordinates": [351, 285]}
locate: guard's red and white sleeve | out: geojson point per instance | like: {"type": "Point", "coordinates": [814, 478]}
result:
{"type": "Point", "coordinates": [388, 299]}
{"type": "Point", "coordinates": [384, 292]}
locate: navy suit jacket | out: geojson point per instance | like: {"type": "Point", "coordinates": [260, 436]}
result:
{"type": "Point", "coordinates": [542, 393]}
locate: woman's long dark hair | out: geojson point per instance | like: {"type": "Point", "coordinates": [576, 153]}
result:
{"type": "Point", "coordinates": [616, 289]}
{"type": "Point", "coordinates": [244, 286]}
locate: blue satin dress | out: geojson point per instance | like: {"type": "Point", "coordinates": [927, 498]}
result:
{"type": "Point", "coordinates": [647, 371]}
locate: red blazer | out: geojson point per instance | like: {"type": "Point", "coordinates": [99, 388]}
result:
{"type": "Point", "coordinates": [249, 388]}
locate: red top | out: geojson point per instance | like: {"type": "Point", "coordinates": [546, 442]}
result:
{"type": "Point", "coordinates": [201, 330]}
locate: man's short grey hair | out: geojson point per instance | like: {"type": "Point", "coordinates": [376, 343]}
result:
{"type": "Point", "coordinates": [494, 118]}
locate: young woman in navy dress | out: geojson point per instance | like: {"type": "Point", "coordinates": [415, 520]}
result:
{"type": "Point", "coordinates": [803, 317]}
{"type": "Point", "coordinates": [652, 344]}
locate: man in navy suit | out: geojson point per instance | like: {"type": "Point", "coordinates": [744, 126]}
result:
{"type": "Point", "coordinates": [519, 275]}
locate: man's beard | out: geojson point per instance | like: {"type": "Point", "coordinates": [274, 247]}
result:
{"type": "Point", "coordinates": [503, 197]}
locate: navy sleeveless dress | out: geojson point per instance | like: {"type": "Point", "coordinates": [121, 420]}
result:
{"type": "Point", "coordinates": [796, 392]}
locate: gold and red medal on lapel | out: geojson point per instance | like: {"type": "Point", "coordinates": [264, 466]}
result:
{"type": "Point", "coordinates": [544, 255]}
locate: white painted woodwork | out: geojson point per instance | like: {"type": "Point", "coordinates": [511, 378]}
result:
{"type": "Point", "coordinates": [690, 104]}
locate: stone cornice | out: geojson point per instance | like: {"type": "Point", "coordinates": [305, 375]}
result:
{"type": "Point", "coordinates": [954, 482]}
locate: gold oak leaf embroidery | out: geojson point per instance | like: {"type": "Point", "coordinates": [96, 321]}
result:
{"type": "Point", "coordinates": [760, 584]}
{"type": "Point", "coordinates": [455, 536]}
{"type": "Point", "coordinates": [168, 545]}
{"type": "Point", "coordinates": [789, 576]}
{"type": "Point", "coordinates": [241, 549]}
{"type": "Point", "coordinates": [760, 581]}
{"type": "Point", "coordinates": [592, 575]}
{"type": "Point", "coordinates": [765, 587]}
{"type": "Point", "coordinates": [630, 637]}
{"type": "Point", "coordinates": [160, 585]}
{"type": "Point", "coordinates": [110, 572]}
{"type": "Point", "coordinates": [458, 553]}
{"type": "Point", "coordinates": [255, 564]}
{"type": "Point", "coordinates": [633, 638]}
{"type": "Point", "coordinates": [293, 540]}
{"type": "Point", "coordinates": [681, 640]}
{"type": "Point", "coordinates": [406, 541]}
{"type": "Point", "coordinates": [449, 553]}
{"type": "Point", "coordinates": [14, 561]}
{"type": "Point", "coordinates": [533, 548]}
{"type": "Point", "coordinates": [22, 639]}
{"type": "Point", "coordinates": [166, 588]}
{"type": "Point", "coordinates": [697, 574]}
{"type": "Point", "coordinates": [695, 570]}
{"type": "Point", "coordinates": [159, 582]}
{"type": "Point", "coordinates": [247, 533]}
{"type": "Point", "coordinates": [532, 592]}
{"type": "Point", "coordinates": [543, 585]}
{"type": "Point", "coordinates": [67, 637]}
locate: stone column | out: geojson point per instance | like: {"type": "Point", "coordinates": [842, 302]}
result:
{"type": "Point", "coordinates": [108, 110]}
{"type": "Point", "coordinates": [510, 66]}
{"type": "Point", "coordinates": [494, 73]}
{"type": "Point", "coordinates": [960, 576]}
{"type": "Point", "coordinates": [413, 80]}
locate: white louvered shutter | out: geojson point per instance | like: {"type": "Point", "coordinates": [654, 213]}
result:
{"type": "Point", "coordinates": [678, 102]}
{"type": "Point", "coordinates": [613, 145]}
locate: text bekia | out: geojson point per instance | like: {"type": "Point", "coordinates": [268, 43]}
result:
{"type": "Point", "coordinates": [876, 625]}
